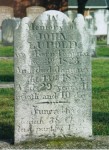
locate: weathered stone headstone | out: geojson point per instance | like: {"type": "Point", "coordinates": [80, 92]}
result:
{"type": "Point", "coordinates": [52, 78]}
{"type": "Point", "coordinates": [100, 20]}
{"type": "Point", "coordinates": [34, 11]}
{"type": "Point", "coordinates": [91, 28]}
{"type": "Point", "coordinates": [108, 34]}
{"type": "Point", "coordinates": [71, 14]}
{"type": "Point", "coordinates": [5, 13]}
{"type": "Point", "coordinates": [0, 35]}
{"type": "Point", "coordinates": [8, 27]}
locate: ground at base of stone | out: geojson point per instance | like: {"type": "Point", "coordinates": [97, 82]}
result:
{"type": "Point", "coordinates": [98, 142]}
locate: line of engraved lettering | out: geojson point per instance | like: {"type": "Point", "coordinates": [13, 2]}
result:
{"type": "Point", "coordinates": [22, 70]}
{"type": "Point", "coordinates": [34, 69]}
{"type": "Point", "coordinates": [32, 87]}
{"type": "Point", "coordinates": [75, 76]}
{"type": "Point", "coordinates": [63, 110]}
{"type": "Point", "coordinates": [85, 85]}
{"type": "Point", "coordinates": [67, 110]}
{"type": "Point", "coordinates": [53, 27]}
{"type": "Point", "coordinates": [66, 94]}
{"type": "Point", "coordinates": [47, 78]}
{"type": "Point", "coordinates": [55, 44]}
{"type": "Point", "coordinates": [52, 18]}
{"type": "Point", "coordinates": [66, 77]}
{"type": "Point", "coordinates": [76, 53]}
{"type": "Point", "coordinates": [69, 60]}
{"type": "Point", "coordinates": [75, 70]}
{"type": "Point", "coordinates": [23, 130]}
{"type": "Point", "coordinates": [32, 121]}
{"type": "Point", "coordinates": [34, 96]}
{"type": "Point", "coordinates": [51, 36]}
{"type": "Point", "coordinates": [69, 119]}
{"type": "Point", "coordinates": [46, 86]}
{"type": "Point", "coordinates": [39, 129]}
{"type": "Point", "coordinates": [43, 78]}
{"type": "Point", "coordinates": [49, 129]}
{"type": "Point", "coordinates": [44, 129]}
{"type": "Point", "coordinates": [72, 88]}
{"type": "Point", "coordinates": [36, 110]}
{"type": "Point", "coordinates": [68, 54]}
{"type": "Point", "coordinates": [50, 97]}
{"type": "Point", "coordinates": [38, 53]}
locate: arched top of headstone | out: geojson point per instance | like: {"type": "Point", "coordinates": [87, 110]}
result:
{"type": "Point", "coordinates": [32, 8]}
{"type": "Point", "coordinates": [6, 8]}
{"type": "Point", "coordinates": [52, 16]}
{"type": "Point", "coordinates": [14, 22]}
{"type": "Point", "coordinates": [34, 11]}
{"type": "Point", "coordinates": [5, 12]}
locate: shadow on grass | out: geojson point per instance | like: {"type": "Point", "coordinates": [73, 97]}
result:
{"type": "Point", "coordinates": [6, 78]}
{"type": "Point", "coordinates": [101, 117]}
{"type": "Point", "coordinates": [101, 123]}
{"type": "Point", "coordinates": [6, 132]}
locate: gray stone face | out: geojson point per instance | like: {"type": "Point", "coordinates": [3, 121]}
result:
{"type": "Point", "coordinates": [100, 20]}
{"type": "Point", "coordinates": [5, 13]}
{"type": "Point", "coordinates": [91, 28]}
{"type": "Point", "coordinates": [52, 78]}
{"type": "Point", "coordinates": [34, 11]}
{"type": "Point", "coordinates": [0, 35]}
{"type": "Point", "coordinates": [108, 34]}
{"type": "Point", "coordinates": [8, 27]}
{"type": "Point", "coordinates": [71, 14]}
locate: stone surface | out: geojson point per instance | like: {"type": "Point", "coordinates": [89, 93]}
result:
{"type": "Point", "coordinates": [101, 19]}
{"type": "Point", "coordinates": [71, 14]}
{"type": "Point", "coordinates": [91, 28]}
{"type": "Point", "coordinates": [5, 13]}
{"type": "Point", "coordinates": [8, 27]}
{"type": "Point", "coordinates": [0, 35]}
{"type": "Point", "coordinates": [108, 34]}
{"type": "Point", "coordinates": [34, 11]}
{"type": "Point", "coordinates": [52, 78]}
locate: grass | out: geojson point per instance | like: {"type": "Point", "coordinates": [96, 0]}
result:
{"type": "Point", "coordinates": [100, 83]}
{"type": "Point", "coordinates": [6, 71]}
{"type": "Point", "coordinates": [101, 42]}
{"type": "Point", "coordinates": [6, 51]}
{"type": "Point", "coordinates": [103, 51]}
{"type": "Point", "coordinates": [59, 143]}
{"type": "Point", "coordinates": [6, 114]}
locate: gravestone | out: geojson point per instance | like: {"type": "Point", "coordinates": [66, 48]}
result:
{"type": "Point", "coordinates": [71, 14]}
{"type": "Point", "coordinates": [0, 35]}
{"type": "Point", "coordinates": [108, 34]}
{"type": "Point", "coordinates": [52, 78]}
{"type": "Point", "coordinates": [8, 27]}
{"type": "Point", "coordinates": [5, 13]}
{"type": "Point", "coordinates": [100, 19]}
{"type": "Point", "coordinates": [91, 28]}
{"type": "Point", "coordinates": [34, 11]}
